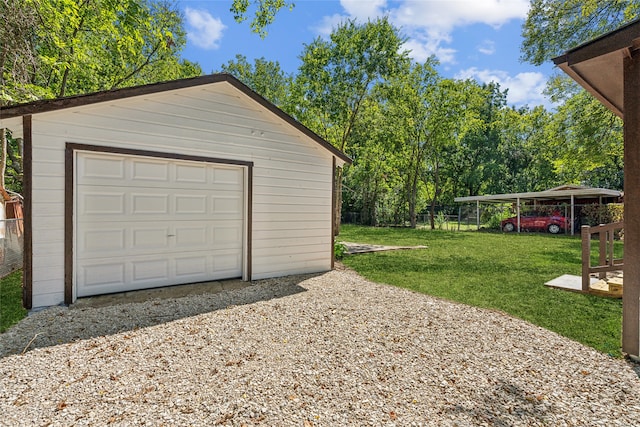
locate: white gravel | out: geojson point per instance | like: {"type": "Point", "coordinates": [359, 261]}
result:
{"type": "Point", "coordinates": [323, 350]}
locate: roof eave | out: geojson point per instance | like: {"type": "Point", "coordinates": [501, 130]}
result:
{"type": "Point", "coordinates": [43, 106]}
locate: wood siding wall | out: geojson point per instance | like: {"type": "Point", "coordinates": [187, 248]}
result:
{"type": "Point", "coordinates": [292, 175]}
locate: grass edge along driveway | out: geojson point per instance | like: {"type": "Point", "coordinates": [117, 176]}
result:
{"type": "Point", "coordinates": [497, 271]}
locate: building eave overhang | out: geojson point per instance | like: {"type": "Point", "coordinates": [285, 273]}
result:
{"type": "Point", "coordinates": [598, 64]}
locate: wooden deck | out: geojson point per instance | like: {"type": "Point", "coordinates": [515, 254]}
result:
{"type": "Point", "coordinates": [610, 287]}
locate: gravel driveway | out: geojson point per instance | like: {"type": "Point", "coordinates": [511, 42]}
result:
{"type": "Point", "coordinates": [323, 350]}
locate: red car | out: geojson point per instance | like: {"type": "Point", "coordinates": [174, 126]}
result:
{"type": "Point", "coordinates": [554, 223]}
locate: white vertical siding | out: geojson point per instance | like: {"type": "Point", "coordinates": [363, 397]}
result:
{"type": "Point", "coordinates": [292, 174]}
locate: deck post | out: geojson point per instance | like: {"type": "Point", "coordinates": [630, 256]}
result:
{"type": "Point", "coordinates": [586, 256]}
{"type": "Point", "coordinates": [631, 294]}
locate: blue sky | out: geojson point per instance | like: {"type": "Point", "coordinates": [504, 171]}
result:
{"type": "Point", "coordinates": [477, 39]}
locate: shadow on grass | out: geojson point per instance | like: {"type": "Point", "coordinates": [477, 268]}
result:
{"type": "Point", "coordinates": [60, 325]}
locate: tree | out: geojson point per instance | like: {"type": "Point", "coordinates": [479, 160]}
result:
{"type": "Point", "coordinates": [527, 162]}
{"type": "Point", "coordinates": [553, 26]}
{"type": "Point", "coordinates": [264, 77]}
{"type": "Point", "coordinates": [18, 59]}
{"type": "Point", "coordinates": [587, 141]}
{"type": "Point", "coordinates": [410, 107]}
{"type": "Point", "coordinates": [475, 163]}
{"type": "Point", "coordinates": [586, 137]}
{"type": "Point", "coordinates": [265, 12]}
{"type": "Point", "coordinates": [453, 114]}
{"type": "Point", "coordinates": [54, 48]}
{"type": "Point", "coordinates": [337, 77]}
{"type": "Point", "coordinates": [92, 45]}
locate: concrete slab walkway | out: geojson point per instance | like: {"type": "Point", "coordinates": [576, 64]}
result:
{"type": "Point", "coordinates": [361, 248]}
{"type": "Point", "coordinates": [168, 292]}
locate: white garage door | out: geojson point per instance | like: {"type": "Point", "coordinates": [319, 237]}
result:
{"type": "Point", "coordinates": [144, 222]}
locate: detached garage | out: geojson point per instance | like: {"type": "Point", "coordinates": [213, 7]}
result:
{"type": "Point", "coordinates": [180, 182]}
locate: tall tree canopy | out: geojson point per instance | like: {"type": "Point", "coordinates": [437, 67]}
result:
{"type": "Point", "coordinates": [553, 26]}
{"type": "Point", "coordinates": [337, 77]}
{"type": "Point", "coordinates": [264, 77]}
{"type": "Point", "coordinates": [80, 46]}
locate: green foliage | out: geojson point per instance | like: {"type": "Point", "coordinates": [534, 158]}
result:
{"type": "Point", "coordinates": [587, 142]}
{"type": "Point", "coordinates": [56, 48]}
{"type": "Point", "coordinates": [555, 26]}
{"type": "Point", "coordinates": [11, 311]}
{"type": "Point", "coordinates": [264, 77]}
{"type": "Point", "coordinates": [596, 214]}
{"type": "Point", "coordinates": [264, 14]}
{"type": "Point", "coordinates": [91, 45]}
{"type": "Point", "coordinates": [504, 272]}
{"type": "Point", "coordinates": [339, 250]}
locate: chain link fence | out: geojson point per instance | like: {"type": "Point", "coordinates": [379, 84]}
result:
{"type": "Point", "coordinates": [11, 245]}
{"type": "Point", "coordinates": [470, 217]}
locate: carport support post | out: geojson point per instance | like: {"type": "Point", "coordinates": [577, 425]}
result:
{"type": "Point", "coordinates": [518, 212]}
{"type": "Point", "coordinates": [478, 214]}
{"type": "Point", "coordinates": [631, 293]}
{"type": "Point", "coordinates": [573, 216]}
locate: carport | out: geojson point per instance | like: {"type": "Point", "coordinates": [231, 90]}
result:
{"type": "Point", "coordinates": [566, 193]}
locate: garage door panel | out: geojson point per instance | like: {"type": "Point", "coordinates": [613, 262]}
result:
{"type": "Point", "coordinates": [190, 204]}
{"type": "Point", "coordinates": [224, 263]}
{"type": "Point", "coordinates": [226, 205]}
{"type": "Point", "coordinates": [144, 238]}
{"type": "Point", "coordinates": [228, 234]}
{"type": "Point", "coordinates": [101, 275]}
{"type": "Point", "coordinates": [104, 240]}
{"type": "Point", "coordinates": [192, 267]}
{"type": "Point", "coordinates": [130, 273]}
{"type": "Point", "coordinates": [101, 203]}
{"type": "Point", "coordinates": [156, 270]}
{"type": "Point", "coordinates": [144, 204]}
{"type": "Point", "coordinates": [191, 236]}
{"type": "Point", "coordinates": [102, 168]}
{"type": "Point", "coordinates": [150, 170]}
{"type": "Point", "coordinates": [147, 222]}
{"type": "Point", "coordinates": [192, 174]}
{"type": "Point", "coordinates": [227, 176]}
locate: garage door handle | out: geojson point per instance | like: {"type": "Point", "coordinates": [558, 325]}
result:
{"type": "Point", "coordinates": [171, 235]}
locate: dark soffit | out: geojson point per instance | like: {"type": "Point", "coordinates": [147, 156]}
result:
{"type": "Point", "coordinates": [597, 64]}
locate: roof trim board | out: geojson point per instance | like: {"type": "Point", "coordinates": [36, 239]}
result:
{"type": "Point", "coordinates": [43, 106]}
{"type": "Point", "coordinates": [542, 195]}
{"type": "Point", "coordinates": [597, 65]}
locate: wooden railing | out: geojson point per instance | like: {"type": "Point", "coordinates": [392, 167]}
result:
{"type": "Point", "coordinates": [606, 259]}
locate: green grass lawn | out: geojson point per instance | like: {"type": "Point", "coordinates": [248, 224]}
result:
{"type": "Point", "coordinates": [499, 271]}
{"type": "Point", "coordinates": [11, 311]}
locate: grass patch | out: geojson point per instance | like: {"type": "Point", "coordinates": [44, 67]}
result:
{"type": "Point", "coordinates": [11, 311]}
{"type": "Point", "coordinates": [499, 271]}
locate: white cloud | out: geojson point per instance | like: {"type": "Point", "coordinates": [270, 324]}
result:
{"type": "Point", "coordinates": [448, 14]}
{"type": "Point", "coordinates": [203, 30]}
{"type": "Point", "coordinates": [424, 44]}
{"type": "Point", "coordinates": [487, 47]}
{"type": "Point", "coordinates": [428, 24]}
{"type": "Point", "coordinates": [524, 88]}
{"type": "Point", "coordinates": [364, 10]}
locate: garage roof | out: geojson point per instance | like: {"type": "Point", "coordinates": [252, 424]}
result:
{"type": "Point", "coordinates": [563, 192]}
{"type": "Point", "coordinates": [597, 64]}
{"type": "Point", "coordinates": [10, 116]}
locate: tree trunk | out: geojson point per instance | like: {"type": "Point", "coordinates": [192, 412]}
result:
{"type": "Point", "coordinates": [337, 213]}
{"type": "Point", "coordinates": [436, 193]}
{"type": "Point", "coordinates": [3, 155]}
